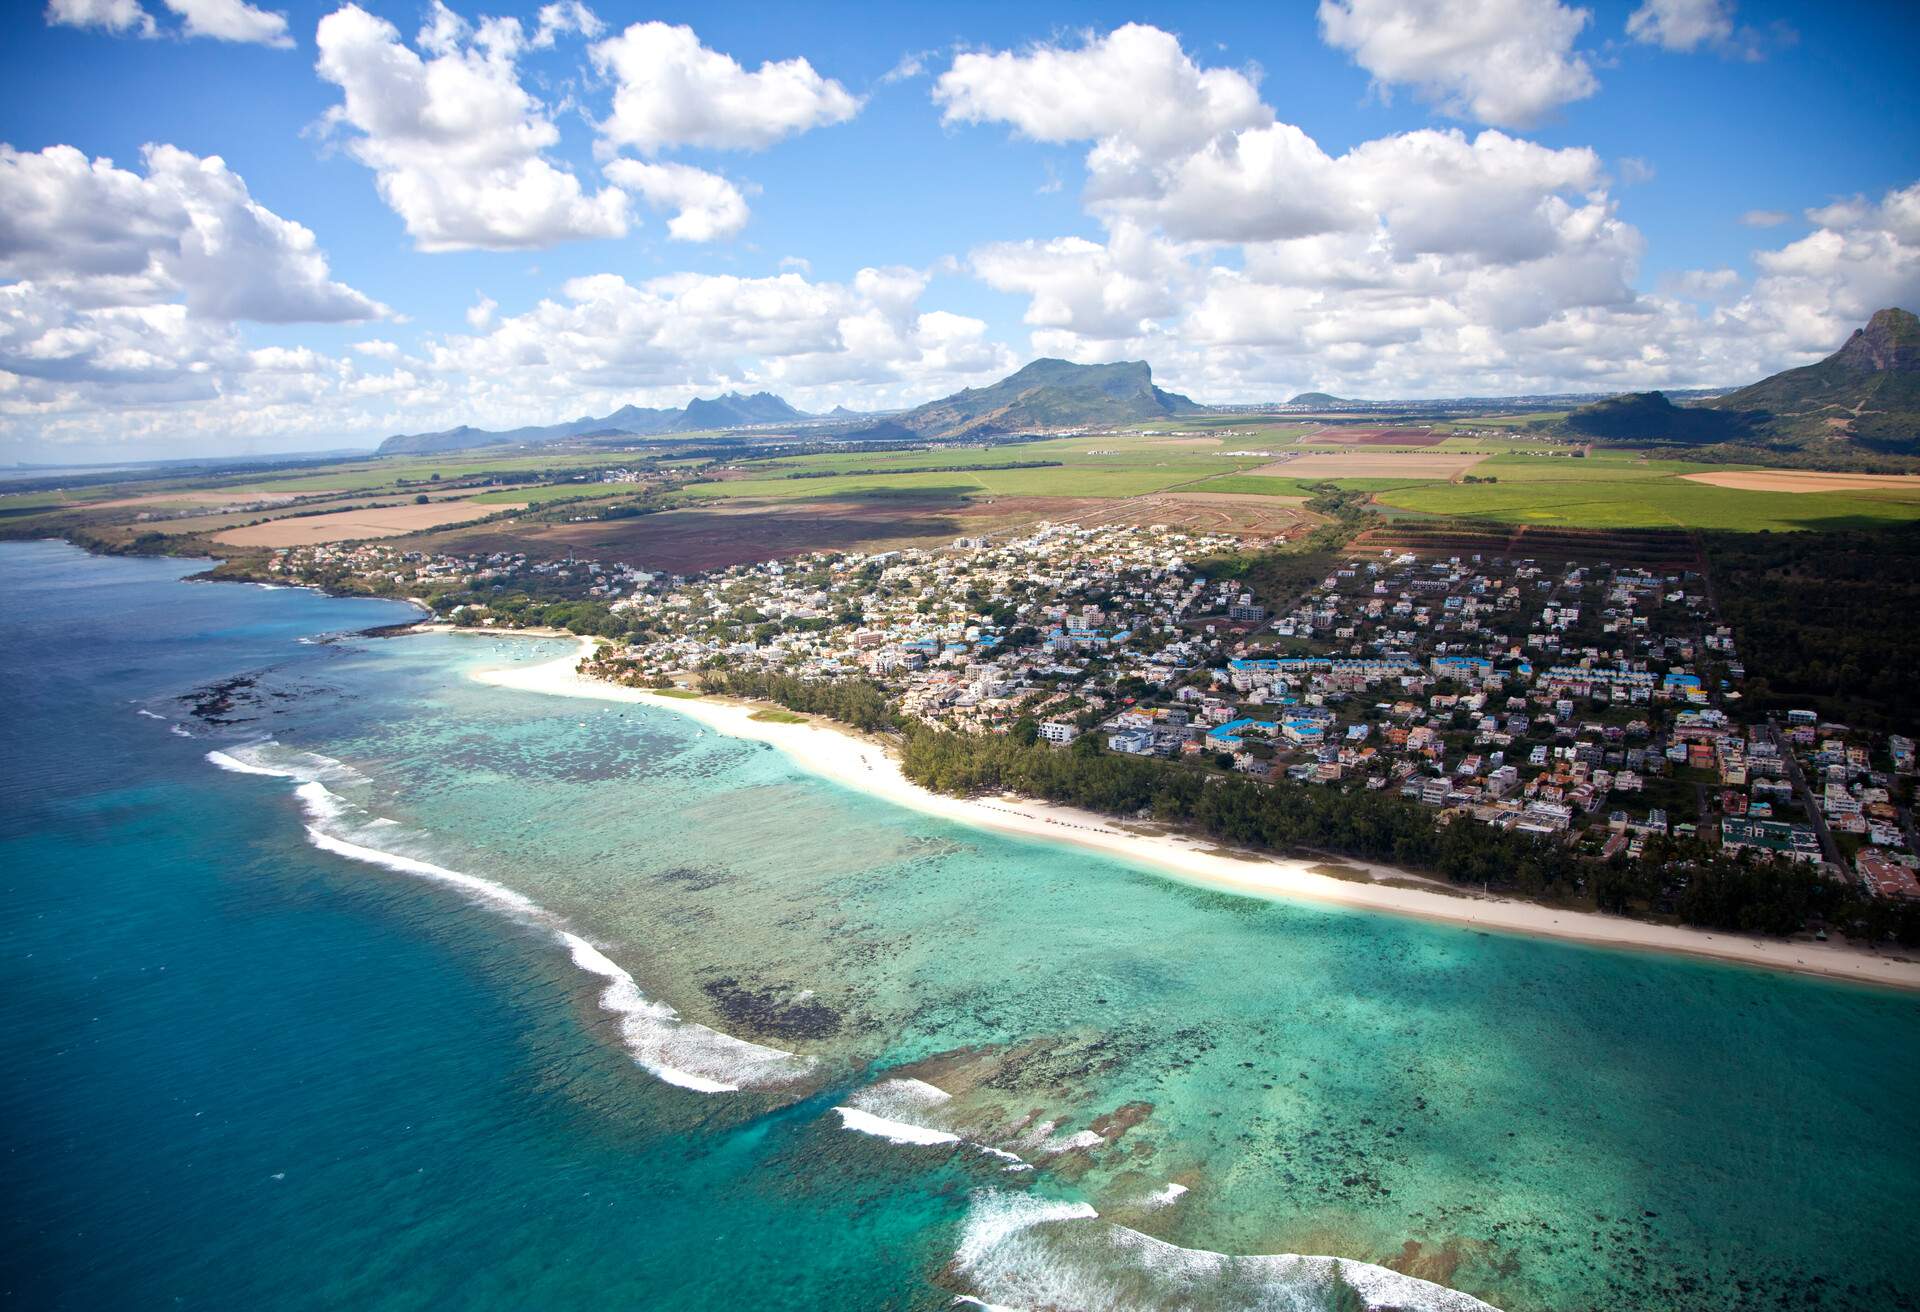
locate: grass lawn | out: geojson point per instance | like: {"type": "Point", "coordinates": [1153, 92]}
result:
{"type": "Point", "coordinates": [774, 716]}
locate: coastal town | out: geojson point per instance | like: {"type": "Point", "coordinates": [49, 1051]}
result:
{"type": "Point", "coordinates": [1585, 704]}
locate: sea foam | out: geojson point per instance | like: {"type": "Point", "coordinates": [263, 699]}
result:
{"type": "Point", "coordinates": [1019, 1251]}
{"type": "Point", "coordinates": [677, 1051]}
{"type": "Point", "coordinates": [895, 1110]}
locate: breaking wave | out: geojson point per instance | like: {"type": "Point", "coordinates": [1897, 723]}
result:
{"type": "Point", "coordinates": [1020, 1251]}
{"type": "Point", "coordinates": [678, 1051]}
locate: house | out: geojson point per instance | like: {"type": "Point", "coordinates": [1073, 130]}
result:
{"type": "Point", "coordinates": [1770, 838]}
{"type": "Point", "coordinates": [1883, 877]}
{"type": "Point", "coordinates": [1058, 732]}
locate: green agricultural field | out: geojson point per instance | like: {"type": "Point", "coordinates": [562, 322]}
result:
{"type": "Point", "coordinates": [1651, 498]}
{"type": "Point", "coordinates": [1104, 466]}
{"type": "Point", "coordinates": [1259, 485]}
{"type": "Point", "coordinates": [539, 493]}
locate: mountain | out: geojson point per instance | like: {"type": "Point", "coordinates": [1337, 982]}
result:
{"type": "Point", "coordinates": [736, 411]}
{"type": "Point", "coordinates": [1319, 399]}
{"type": "Point", "coordinates": [1047, 394]}
{"type": "Point", "coordinates": [732, 410]}
{"type": "Point", "coordinates": [1650, 416]}
{"type": "Point", "coordinates": [1867, 391]}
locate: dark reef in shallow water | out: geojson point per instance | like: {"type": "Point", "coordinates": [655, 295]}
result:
{"type": "Point", "coordinates": [776, 1013]}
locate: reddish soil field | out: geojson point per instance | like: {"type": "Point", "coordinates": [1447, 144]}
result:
{"type": "Point", "coordinates": [741, 532]}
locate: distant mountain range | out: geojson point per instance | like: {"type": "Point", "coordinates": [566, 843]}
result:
{"type": "Point", "coordinates": [1866, 395]}
{"type": "Point", "coordinates": [733, 410]}
{"type": "Point", "coordinates": [1047, 394]}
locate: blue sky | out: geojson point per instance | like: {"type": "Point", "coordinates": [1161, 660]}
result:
{"type": "Point", "coordinates": [1377, 197]}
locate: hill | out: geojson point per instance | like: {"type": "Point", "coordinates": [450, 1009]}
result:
{"type": "Point", "coordinates": [1651, 417]}
{"type": "Point", "coordinates": [1045, 395]}
{"type": "Point", "coordinates": [1319, 399]}
{"type": "Point", "coordinates": [733, 410]}
{"type": "Point", "coordinates": [1867, 392]}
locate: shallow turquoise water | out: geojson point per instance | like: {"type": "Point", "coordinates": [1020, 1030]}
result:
{"type": "Point", "coordinates": [352, 1083]}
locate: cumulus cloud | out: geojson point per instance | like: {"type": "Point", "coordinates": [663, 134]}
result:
{"type": "Point", "coordinates": [1508, 63]}
{"type": "Point", "coordinates": [705, 205]}
{"type": "Point", "coordinates": [669, 90]}
{"type": "Point", "coordinates": [120, 16]}
{"type": "Point", "coordinates": [222, 20]}
{"type": "Point", "coordinates": [1135, 91]}
{"type": "Point", "coordinates": [1243, 260]}
{"type": "Point", "coordinates": [105, 236]}
{"type": "Point", "coordinates": [232, 20]}
{"type": "Point", "coordinates": [563, 17]}
{"type": "Point", "coordinates": [119, 292]}
{"type": "Point", "coordinates": [458, 146]}
{"type": "Point", "coordinates": [1862, 256]}
{"type": "Point", "coordinates": [612, 341]}
{"type": "Point", "coordinates": [1681, 24]}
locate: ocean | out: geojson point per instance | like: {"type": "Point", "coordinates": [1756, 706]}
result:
{"type": "Point", "coordinates": [330, 976]}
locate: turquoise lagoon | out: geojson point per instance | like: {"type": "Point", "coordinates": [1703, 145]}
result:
{"type": "Point", "coordinates": [370, 984]}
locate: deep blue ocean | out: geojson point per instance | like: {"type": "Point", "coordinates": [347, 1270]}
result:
{"type": "Point", "coordinates": [243, 1065]}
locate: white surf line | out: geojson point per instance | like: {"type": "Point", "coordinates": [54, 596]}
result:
{"type": "Point", "coordinates": [1008, 1251]}
{"type": "Point", "coordinates": [675, 1050]}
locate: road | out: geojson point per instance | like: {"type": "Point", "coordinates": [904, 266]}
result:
{"type": "Point", "coordinates": [1811, 804]}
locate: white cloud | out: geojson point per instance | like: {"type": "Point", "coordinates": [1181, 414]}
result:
{"type": "Point", "coordinates": [480, 313]}
{"type": "Point", "coordinates": [610, 341]}
{"type": "Point", "coordinates": [1764, 218]}
{"type": "Point", "coordinates": [669, 90]}
{"type": "Point", "coordinates": [1508, 63]}
{"type": "Point", "coordinates": [1244, 261]}
{"type": "Point", "coordinates": [104, 236]}
{"type": "Point", "coordinates": [232, 20]}
{"type": "Point", "coordinates": [456, 143]}
{"type": "Point", "coordinates": [706, 206]}
{"type": "Point", "coordinates": [1103, 291]}
{"type": "Point", "coordinates": [1863, 256]}
{"type": "Point", "coordinates": [110, 15]}
{"type": "Point", "coordinates": [563, 17]}
{"type": "Point", "coordinates": [1682, 25]}
{"type": "Point", "coordinates": [1636, 171]}
{"type": "Point", "coordinates": [1134, 91]}
{"type": "Point", "coordinates": [222, 20]}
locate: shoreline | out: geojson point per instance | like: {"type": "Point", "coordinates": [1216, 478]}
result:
{"type": "Point", "coordinates": [866, 764]}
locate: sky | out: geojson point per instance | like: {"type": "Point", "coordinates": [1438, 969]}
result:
{"type": "Point", "coordinates": [238, 228]}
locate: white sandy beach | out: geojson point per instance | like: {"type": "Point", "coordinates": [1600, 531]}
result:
{"type": "Point", "coordinates": [866, 764]}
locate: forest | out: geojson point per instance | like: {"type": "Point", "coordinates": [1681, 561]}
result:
{"type": "Point", "coordinates": [1826, 621]}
